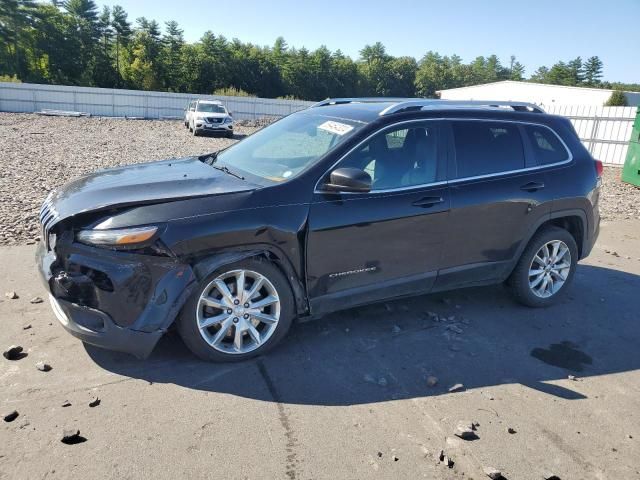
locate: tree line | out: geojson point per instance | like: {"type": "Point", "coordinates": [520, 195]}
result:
{"type": "Point", "coordinates": [74, 43]}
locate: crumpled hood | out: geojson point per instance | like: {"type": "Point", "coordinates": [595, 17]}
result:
{"type": "Point", "coordinates": [143, 183]}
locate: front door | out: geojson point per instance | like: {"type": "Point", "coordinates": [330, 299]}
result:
{"type": "Point", "coordinates": [364, 247]}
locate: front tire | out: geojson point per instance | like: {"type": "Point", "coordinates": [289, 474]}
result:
{"type": "Point", "coordinates": [546, 268]}
{"type": "Point", "coordinates": [238, 312]}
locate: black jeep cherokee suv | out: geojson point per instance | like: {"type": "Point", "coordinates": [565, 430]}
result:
{"type": "Point", "coordinates": [349, 202]}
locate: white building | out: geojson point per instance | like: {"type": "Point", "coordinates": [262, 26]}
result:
{"type": "Point", "coordinates": [539, 93]}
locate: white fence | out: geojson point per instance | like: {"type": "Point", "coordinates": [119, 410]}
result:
{"type": "Point", "coordinates": [605, 131]}
{"type": "Point", "coordinates": [27, 97]}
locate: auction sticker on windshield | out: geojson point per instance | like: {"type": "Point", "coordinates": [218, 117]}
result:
{"type": "Point", "coordinates": [336, 127]}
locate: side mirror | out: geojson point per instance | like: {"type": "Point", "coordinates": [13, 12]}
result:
{"type": "Point", "coordinates": [349, 180]}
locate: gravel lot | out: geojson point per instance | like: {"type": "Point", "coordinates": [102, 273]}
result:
{"type": "Point", "coordinates": [40, 153]}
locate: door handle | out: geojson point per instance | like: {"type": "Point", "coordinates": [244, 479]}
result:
{"type": "Point", "coordinates": [427, 202]}
{"type": "Point", "coordinates": [532, 186]}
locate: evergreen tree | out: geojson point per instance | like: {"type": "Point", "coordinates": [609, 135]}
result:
{"type": "Point", "coordinates": [172, 43]}
{"type": "Point", "coordinates": [122, 29]}
{"type": "Point", "coordinates": [593, 71]}
{"type": "Point", "coordinates": [516, 69]}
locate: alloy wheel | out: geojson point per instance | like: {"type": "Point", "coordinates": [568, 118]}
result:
{"type": "Point", "coordinates": [549, 269]}
{"type": "Point", "coordinates": [238, 311]}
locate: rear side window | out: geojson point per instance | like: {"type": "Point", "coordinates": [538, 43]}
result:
{"type": "Point", "coordinates": [484, 148]}
{"type": "Point", "coordinates": [546, 145]}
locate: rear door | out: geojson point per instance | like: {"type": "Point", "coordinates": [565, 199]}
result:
{"type": "Point", "coordinates": [497, 195]}
{"type": "Point", "coordinates": [363, 247]}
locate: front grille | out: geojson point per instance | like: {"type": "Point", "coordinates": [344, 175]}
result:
{"type": "Point", "coordinates": [48, 217]}
{"type": "Point", "coordinates": [214, 120]}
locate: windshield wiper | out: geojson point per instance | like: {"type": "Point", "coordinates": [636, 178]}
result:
{"type": "Point", "coordinates": [225, 169]}
{"type": "Point", "coordinates": [208, 158]}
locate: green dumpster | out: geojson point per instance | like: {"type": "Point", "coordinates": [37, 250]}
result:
{"type": "Point", "coordinates": [631, 170]}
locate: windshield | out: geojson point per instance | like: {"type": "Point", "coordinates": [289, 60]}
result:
{"type": "Point", "coordinates": [210, 108]}
{"type": "Point", "coordinates": [284, 149]}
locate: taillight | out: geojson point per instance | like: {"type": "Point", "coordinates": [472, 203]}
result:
{"type": "Point", "coordinates": [599, 168]}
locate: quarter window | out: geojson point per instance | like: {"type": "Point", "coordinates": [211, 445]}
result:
{"type": "Point", "coordinates": [400, 157]}
{"type": "Point", "coordinates": [547, 147]}
{"type": "Point", "coordinates": [484, 148]}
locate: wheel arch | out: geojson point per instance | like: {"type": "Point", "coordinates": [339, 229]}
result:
{"type": "Point", "coordinates": [573, 220]}
{"type": "Point", "coordinates": [204, 266]}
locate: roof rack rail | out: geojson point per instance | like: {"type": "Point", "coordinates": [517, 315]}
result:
{"type": "Point", "coordinates": [425, 103]}
{"type": "Point", "coordinates": [339, 101]}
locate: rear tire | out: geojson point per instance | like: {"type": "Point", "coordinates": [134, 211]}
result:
{"type": "Point", "coordinates": [216, 328]}
{"type": "Point", "coordinates": [545, 269]}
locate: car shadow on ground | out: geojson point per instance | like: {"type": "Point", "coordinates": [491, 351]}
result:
{"type": "Point", "coordinates": [388, 351]}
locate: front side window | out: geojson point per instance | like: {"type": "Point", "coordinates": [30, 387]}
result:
{"type": "Point", "coordinates": [287, 147]}
{"type": "Point", "coordinates": [210, 108]}
{"type": "Point", "coordinates": [484, 148]}
{"type": "Point", "coordinates": [547, 147]}
{"type": "Point", "coordinates": [400, 157]}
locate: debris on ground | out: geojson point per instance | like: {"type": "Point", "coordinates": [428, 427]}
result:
{"type": "Point", "coordinates": [396, 330]}
{"type": "Point", "coordinates": [62, 113]}
{"type": "Point", "coordinates": [11, 295]}
{"type": "Point", "coordinates": [14, 352]}
{"type": "Point", "coordinates": [10, 416]}
{"type": "Point", "coordinates": [95, 402]}
{"type": "Point", "coordinates": [395, 459]}
{"type": "Point", "coordinates": [382, 382]}
{"type": "Point", "coordinates": [458, 387]}
{"type": "Point", "coordinates": [72, 437]}
{"type": "Point", "coordinates": [492, 473]}
{"type": "Point", "coordinates": [572, 378]}
{"type": "Point", "coordinates": [36, 300]}
{"type": "Point", "coordinates": [66, 403]}
{"type": "Point", "coordinates": [511, 430]}
{"type": "Point", "coordinates": [550, 476]}
{"type": "Point", "coordinates": [448, 461]}
{"type": "Point", "coordinates": [432, 381]}
{"type": "Point", "coordinates": [466, 430]}
{"type": "Point", "coordinates": [27, 327]}
{"type": "Point", "coordinates": [454, 328]}
{"type": "Point", "coordinates": [43, 367]}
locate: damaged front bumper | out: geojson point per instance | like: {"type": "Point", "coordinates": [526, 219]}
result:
{"type": "Point", "coordinates": [116, 300]}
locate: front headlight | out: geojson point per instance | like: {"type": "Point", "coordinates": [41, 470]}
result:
{"type": "Point", "coordinates": [121, 237]}
{"type": "Point", "coordinates": [228, 120]}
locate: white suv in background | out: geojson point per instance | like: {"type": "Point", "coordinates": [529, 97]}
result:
{"type": "Point", "coordinates": [208, 116]}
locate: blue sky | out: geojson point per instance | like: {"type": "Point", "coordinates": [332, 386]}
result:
{"type": "Point", "coordinates": [538, 32]}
